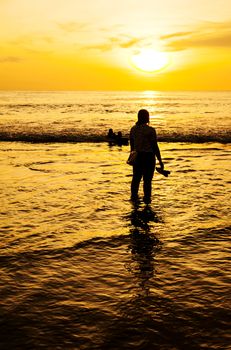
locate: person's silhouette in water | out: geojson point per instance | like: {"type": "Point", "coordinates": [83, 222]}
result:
{"type": "Point", "coordinates": [111, 135]}
{"type": "Point", "coordinates": [143, 140]}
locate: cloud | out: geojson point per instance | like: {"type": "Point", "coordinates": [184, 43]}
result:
{"type": "Point", "coordinates": [33, 39]}
{"type": "Point", "coordinates": [33, 44]}
{"type": "Point", "coordinates": [72, 27]}
{"type": "Point", "coordinates": [206, 35]}
{"type": "Point", "coordinates": [174, 35]}
{"type": "Point", "coordinates": [113, 42]}
{"type": "Point", "coordinates": [10, 59]}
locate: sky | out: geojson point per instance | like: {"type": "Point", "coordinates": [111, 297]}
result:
{"type": "Point", "coordinates": [90, 44]}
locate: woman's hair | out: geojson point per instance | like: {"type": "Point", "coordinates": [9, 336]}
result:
{"type": "Point", "coordinates": [143, 117]}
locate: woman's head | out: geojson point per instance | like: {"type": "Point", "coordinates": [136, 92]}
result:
{"type": "Point", "coordinates": [143, 116]}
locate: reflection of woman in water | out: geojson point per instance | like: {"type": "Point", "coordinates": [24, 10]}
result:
{"type": "Point", "coordinates": [143, 140]}
{"type": "Point", "coordinates": [143, 245]}
{"type": "Point", "coordinates": [143, 248]}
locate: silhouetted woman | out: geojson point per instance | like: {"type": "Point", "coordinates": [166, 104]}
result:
{"type": "Point", "coordinates": [143, 140]}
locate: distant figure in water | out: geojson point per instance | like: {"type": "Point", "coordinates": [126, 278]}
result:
{"type": "Point", "coordinates": [111, 134]}
{"type": "Point", "coordinates": [143, 140]}
{"type": "Point", "coordinates": [117, 139]}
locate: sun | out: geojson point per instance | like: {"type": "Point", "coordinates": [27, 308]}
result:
{"type": "Point", "coordinates": [149, 60]}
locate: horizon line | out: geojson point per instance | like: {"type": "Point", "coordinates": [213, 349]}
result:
{"type": "Point", "coordinates": [113, 90]}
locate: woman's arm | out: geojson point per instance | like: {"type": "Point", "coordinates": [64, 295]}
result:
{"type": "Point", "coordinates": [131, 144]}
{"type": "Point", "coordinates": [131, 138]}
{"type": "Point", "coordinates": [157, 151]}
{"type": "Point", "coordinates": [158, 156]}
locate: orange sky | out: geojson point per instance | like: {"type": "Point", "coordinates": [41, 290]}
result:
{"type": "Point", "coordinates": [88, 45]}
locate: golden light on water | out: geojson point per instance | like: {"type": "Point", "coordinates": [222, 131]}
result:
{"type": "Point", "coordinates": [149, 60]}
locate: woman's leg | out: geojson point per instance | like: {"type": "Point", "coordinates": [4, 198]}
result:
{"type": "Point", "coordinates": [137, 176]}
{"type": "Point", "coordinates": [148, 173]}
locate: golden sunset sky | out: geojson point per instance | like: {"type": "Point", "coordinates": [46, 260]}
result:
{"type": "Point", "coordinates": [89, 44]}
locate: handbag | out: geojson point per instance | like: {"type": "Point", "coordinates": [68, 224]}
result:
{"type": "Point", "coordinates": [132, 158]}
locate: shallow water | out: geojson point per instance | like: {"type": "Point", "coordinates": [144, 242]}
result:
{"type": "Point", "coordinates": [84, 268]}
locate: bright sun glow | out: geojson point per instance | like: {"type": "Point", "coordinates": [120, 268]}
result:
{"type": "Point", "coordinates": [150, 61]}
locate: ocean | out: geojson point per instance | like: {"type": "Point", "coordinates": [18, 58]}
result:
{"type": "Point", "coordinates": [84, 268]}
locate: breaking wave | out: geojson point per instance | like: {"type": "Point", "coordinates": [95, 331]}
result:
{"type": "Point", "coordinates": [43, 137]}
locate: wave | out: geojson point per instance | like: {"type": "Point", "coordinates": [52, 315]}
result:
{"type": "Point", "coordinates": [224, 138]}
{"type": "Point", "coordinates": [96, 244]}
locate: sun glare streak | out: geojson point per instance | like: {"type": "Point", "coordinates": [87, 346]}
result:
{"type": "Point", "coordinates": [149, 60]}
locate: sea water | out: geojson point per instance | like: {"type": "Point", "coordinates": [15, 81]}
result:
{"type": "Point", "coordinates": [84, 268]}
